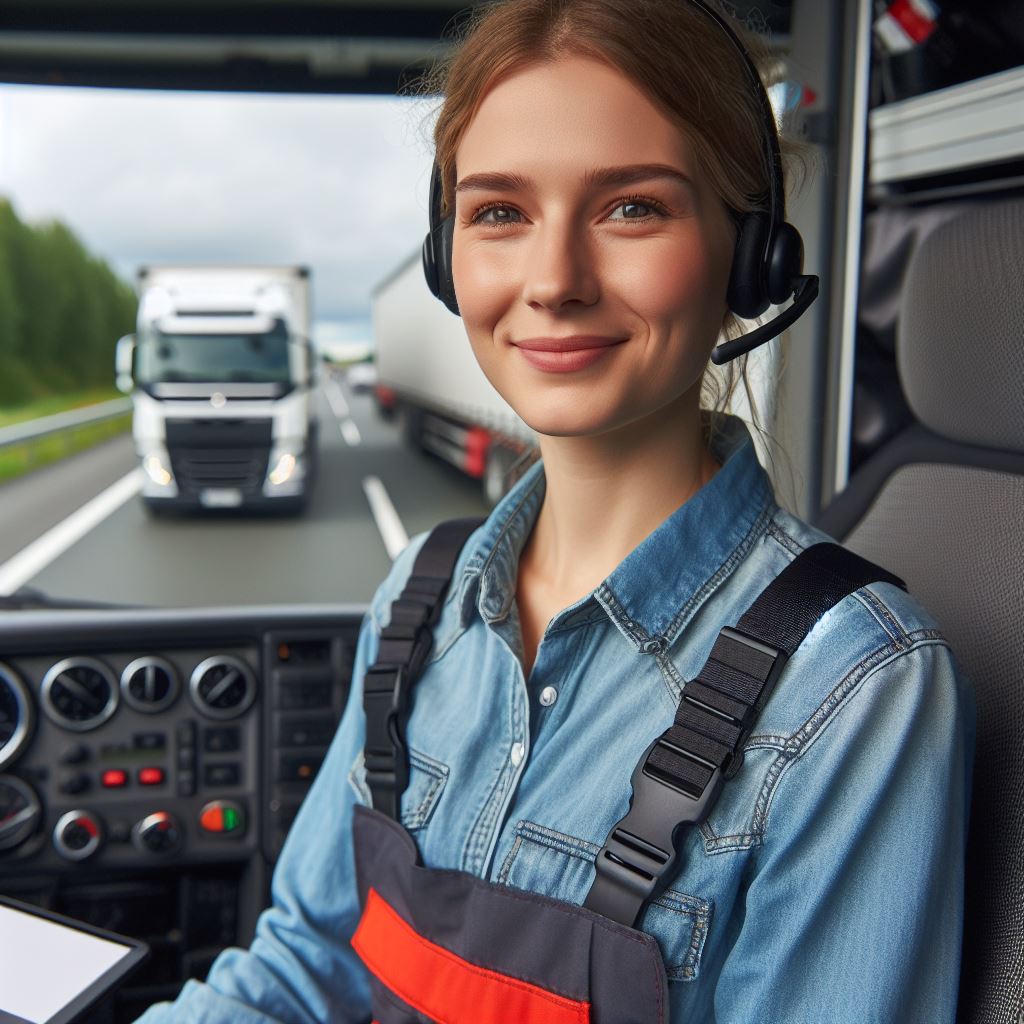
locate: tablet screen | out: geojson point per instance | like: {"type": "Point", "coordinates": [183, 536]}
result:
{"type": "Point", "coordinates": [45, 965]}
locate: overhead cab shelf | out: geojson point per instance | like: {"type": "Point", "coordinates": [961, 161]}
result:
{"type": "Point", "coordinates": [968, 125]}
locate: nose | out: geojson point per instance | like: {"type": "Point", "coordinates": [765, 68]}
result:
{"type": "Point", "coordinates": [559, 267]}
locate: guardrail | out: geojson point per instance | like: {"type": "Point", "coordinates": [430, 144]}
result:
{"type": "Point", "coordinates": [32, 430]}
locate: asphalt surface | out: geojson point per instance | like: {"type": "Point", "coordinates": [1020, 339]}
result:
{"type": "Point", "coordinates": [333, 553]}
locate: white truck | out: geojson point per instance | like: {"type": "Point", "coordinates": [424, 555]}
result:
{"type": "Point", "coordinates": [427, 374]}
{"type": "Point", "coordinates": [221, 372]}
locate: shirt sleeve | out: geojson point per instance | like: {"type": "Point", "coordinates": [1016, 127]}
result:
{"type": "Point", "coordinates": [300, 968]}
{"type": "Point", "coordinates": [854, 909]}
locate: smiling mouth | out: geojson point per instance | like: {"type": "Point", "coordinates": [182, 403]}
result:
{"type": "Point", "coordinates": [575, 343]}
{"type": "Point", "coordinates": [566, 355]}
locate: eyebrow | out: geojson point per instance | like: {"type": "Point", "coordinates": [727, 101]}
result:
{"type": "Point", "coordinates": [498, 181]}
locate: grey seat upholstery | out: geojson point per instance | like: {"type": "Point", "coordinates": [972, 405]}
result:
{"type": "Point", "coordinates": [942, 505]}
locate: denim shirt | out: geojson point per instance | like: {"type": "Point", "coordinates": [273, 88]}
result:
{"type": "Point", "coordinates": [825, 887]}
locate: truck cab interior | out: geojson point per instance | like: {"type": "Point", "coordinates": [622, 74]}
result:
{"type": "Point", "coordinates": [900, 406]}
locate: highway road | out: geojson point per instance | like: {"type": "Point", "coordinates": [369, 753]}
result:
{"type": "Point", "coordinates": [336, 552]}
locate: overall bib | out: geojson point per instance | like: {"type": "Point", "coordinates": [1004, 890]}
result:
{"type": "Point", "coordinates": [446, 947]}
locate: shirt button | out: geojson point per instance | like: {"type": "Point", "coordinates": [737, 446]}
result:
{"type": "Point", "coordinates": [548, 696]}
{"type": "Point", "coordinates": [518, 752]}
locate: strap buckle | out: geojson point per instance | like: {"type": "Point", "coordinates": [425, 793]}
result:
{"type": "Point", "coordinates": [384, 752]}
{"type": "Point", "coordinates": [640, 849]}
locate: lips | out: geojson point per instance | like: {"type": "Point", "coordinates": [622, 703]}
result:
{"type": "Point", "coordinates": [566, 355]}
{"type": "Point", "coordinates": [574, 343]}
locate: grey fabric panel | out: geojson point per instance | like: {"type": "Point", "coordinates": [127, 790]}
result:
{"type": "Point", "coordinates": [915, 444]}
{"type": "Point", "coordinates": [956, 535]}
{"type": "Point", "coordinates": [558, 946]}
{"type": "Point", "coordinates": [961, 333]}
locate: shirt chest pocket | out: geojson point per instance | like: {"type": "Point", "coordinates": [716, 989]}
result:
{"type": "Point", "coordinates": [427, 779]}
{"type": "Point", "coordinates": [562, 866]}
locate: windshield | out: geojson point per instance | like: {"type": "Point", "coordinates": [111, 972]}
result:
{"type": "Point", "coordinates": [159, 445]}
{"type": "Point", "coordinates": [214, 358]}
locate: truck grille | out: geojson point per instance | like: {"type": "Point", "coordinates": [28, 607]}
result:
{"type": "Point", "coordinates": [219, 453]}
{"type": "Point", "coordinates": [198, 468]}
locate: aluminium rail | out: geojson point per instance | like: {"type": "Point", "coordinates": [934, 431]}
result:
{"type": "Point", "coordinates": [32, 430]}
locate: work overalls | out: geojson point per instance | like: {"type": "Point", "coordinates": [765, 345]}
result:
{"type": "Point", "coordinates": [446, 946]}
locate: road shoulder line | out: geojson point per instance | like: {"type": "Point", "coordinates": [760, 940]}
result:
{"type": "Point", "coordinates": [37, 555]}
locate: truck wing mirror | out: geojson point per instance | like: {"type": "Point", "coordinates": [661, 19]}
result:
{"type": "Point", "coordinates": [124, 363]}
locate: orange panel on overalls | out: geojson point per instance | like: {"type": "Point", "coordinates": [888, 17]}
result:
{"type": "Point", "coordinates": [447, 947]}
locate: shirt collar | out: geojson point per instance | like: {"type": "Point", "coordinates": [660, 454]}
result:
{"type": "Point", "coordinates": [653, 591]}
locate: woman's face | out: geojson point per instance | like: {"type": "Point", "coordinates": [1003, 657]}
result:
{"type": "Point", "coordinates": [583, 224]}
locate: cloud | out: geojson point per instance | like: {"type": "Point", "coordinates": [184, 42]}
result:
{"type": "Point", "coordinates": [338, 183]}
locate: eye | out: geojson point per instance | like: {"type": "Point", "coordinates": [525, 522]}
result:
{"type": "Point", "coordinates": [496, 215]}
{"type": "Point", "coordinates": [637, 208]}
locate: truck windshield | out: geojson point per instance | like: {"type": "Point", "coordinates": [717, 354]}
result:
{"type": "Point", "coordinates": [214, 358]}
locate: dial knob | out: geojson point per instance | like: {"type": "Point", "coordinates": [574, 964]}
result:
{"type": "Point", "coordinates": [20, 812]}
{"type": "Point", "coordinates": [79, 693]}
{"type": "Point", "coordinates": [158, 834]}
{"type": "Point", "coordinates": [222, 686]}
{"type": "Point", "coordinates": [77, 835]}
{"type": "Point", "coordinates": [149, 684]}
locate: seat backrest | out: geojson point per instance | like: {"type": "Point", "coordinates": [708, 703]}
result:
{"type": "Point", "coordinates": [942, 505]}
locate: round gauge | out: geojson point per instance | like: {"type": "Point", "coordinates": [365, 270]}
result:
{"type": "Point", "coordinates": [79, 693]}
{"type": "Point", "coordinates": [222, 686]}
{"type": "Point", "coordinates": [16, 716]}
{"type": "Point", "coordinates": [149, 684]}
{"type": "Point", "coordinates": [20, 812]}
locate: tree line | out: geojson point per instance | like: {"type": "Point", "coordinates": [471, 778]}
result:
{"type": "Point", "coordinates": [61, 311]}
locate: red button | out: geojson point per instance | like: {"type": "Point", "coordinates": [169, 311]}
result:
{"type": "Point", "coordinates": [151, 776]}
{"type": "Point", "coordinates": [114, 778]}
{"type": "Point", "coordinates": [212, 818]}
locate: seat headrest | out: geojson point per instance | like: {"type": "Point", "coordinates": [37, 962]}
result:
{"type": "Point", "coordinates": [960, 343]}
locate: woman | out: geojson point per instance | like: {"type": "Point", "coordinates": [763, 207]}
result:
{"type": "Point", "coordinates": [596, 157]}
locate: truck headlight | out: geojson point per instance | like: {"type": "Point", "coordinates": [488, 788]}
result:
{"type": "Point", "coordinates": [283, 469]}
{"type": "Point", "coordinates": [157, 470]}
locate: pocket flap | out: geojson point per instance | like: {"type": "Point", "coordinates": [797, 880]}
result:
{"type": "Point", "coordinates": [427, 778]}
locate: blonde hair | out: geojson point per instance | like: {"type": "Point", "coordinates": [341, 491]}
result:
{"type": "Point", "coordinates": [672, 50]}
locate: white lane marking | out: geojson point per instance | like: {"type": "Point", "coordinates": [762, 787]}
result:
{"type": "Point", "coordinates": [37, 555]}
{"type": "Point", "coordinates": [350, 432]}
{"type": "Point", "coordinates": [391, 530]}
{"type": "Point", "coordinates": [336, 400]}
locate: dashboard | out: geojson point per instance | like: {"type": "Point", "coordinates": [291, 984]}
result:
{"type": "Point", "coordinates": [151, 763]}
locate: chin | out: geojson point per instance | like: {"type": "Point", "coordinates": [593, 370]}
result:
{"type": "Point", "coordinates": [579, 421]}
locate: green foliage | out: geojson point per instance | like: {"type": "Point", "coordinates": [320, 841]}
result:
{"type": "Point", "coordinates": [61, 312]}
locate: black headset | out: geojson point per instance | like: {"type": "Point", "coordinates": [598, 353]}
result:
{"type": "Point", "coordinates": [767, 265]}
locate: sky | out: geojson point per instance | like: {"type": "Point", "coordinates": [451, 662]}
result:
{"type": "Point", "coordinates": [337, 183]}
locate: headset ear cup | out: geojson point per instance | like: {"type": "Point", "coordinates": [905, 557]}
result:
{"type": "Point", "coordinates": [430, 265]}
{"type": "Point", "coordinates": [747, 292]}
{"type": "Point", "coordinates": [444, 236]}
{"type": "Point", "coordinates": [785, 264]}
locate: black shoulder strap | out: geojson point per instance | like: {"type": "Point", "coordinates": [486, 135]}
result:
{"type": "Point", "coordinates": [680, 774]}
{"type": "Point", "coordinates": [405, 644]}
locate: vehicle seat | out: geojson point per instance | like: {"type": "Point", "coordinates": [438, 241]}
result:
{"type": "Point", "coordinates": [942, 505]}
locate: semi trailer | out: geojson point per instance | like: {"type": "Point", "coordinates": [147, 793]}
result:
{"type": "Point", "coordinates": [428, 376]}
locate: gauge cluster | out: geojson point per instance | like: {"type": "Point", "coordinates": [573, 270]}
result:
{"type": "Point", "coordinates": [151, 762]}
{"type": "Point", "coordinates": [146, 743]}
